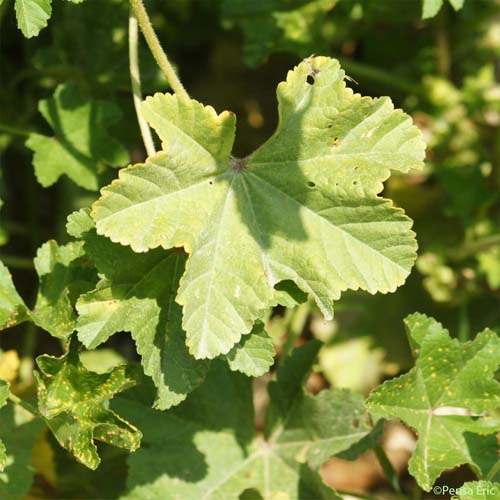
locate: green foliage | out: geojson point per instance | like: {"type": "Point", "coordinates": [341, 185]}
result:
{"type": "Point", "coordinates": [443, 398]}
{"type": "Point", "coordinates": [190, 452]}
{"type": "Point", "coordinates": [284, 25]}
{"type": "Point", "coordinates": [169, 201]}
{"type": "Point", "coordinates": [33, 15]}
{"type": "Point", "coordinates": [12, 307]}
{"type": "Point", "coordinates": [479, 490]}
{"type": "Point", "coordinates": [74, 403]}
{"type": "Point", "coordinates": [431, 7]}
{"type": "Point", "coordinates": [82, 147]}
{"type": "Point", "coordinates": [18, 432]}
{"type": "Point", "coordinates": [221, 258]}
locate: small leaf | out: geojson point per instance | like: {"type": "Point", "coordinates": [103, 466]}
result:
{"type": "Point", "coordinates": [443, 398]}
{"type": "Point", "coordinates": [74, 403]}
{"type": "Point", "coordinates": [32, 15]}
{"type": "Point", "coordinates": [430, 8]}
{"type": "Point", "coordinates": [64, 273]}
{"type": "Point", "coordinates": [254, 355]}
{"type": "Point", "coordinates": [303, 207]}
{"type": "Point", "coordinates": [12, 308]}
{"type": "Point", "coordinates": [82, 146]}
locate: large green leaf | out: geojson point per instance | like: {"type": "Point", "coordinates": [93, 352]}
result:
{"type": "Point", "coordinates": [12, 308]}
{"type": "Point", "coordinates": [303, 207]}
{"type": "Point", "coordinates": [444, 398]}
{"type": "Point", "coordinates": [82, 146]}
{"type": "Point", "coordinates": [136, 294]}
{"type": "Point", "coordinates": [207, 447]}
{"type": "Point", "coordinates": [75, 405]}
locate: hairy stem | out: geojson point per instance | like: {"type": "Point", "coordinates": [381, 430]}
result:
{"type": "Point", "coordinates": [20, 402]}
{"type": "Point", "coordinates": [135, 79]}
{"type": "Point", "coordinates": [156, 50]}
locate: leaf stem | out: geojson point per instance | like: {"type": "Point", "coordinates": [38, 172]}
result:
{"type": "Point", "coordinates": [20, 402]}
{"type": "Point", "coordinates": [135, 79]}
{"type": "Point", "coordinates": [388, 469]}
{"type": "Point", "coordinates": [16, 262]}
{"type": "Point", "coordinates": [367, 72]}
{"type": "Point", "coordinates": [13, 130]}
{"type": "Point", "coordinates": [493, 472]}
{"type": "Point", "coordinates": [155, 47]}
{"type": "Point", "coordinates": [355, 495]}
{"type": "Point", "coordinates": [474, 247]}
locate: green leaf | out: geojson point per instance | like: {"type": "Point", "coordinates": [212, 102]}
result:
{"type": "Point", "coordinates": [303, 207]}
{"type": "Point", "coordinates": [64, 272]}
{"type": "Point", "coordinates": [254, 354]}
{"type": "Point", "coordinates": [32, 15]}
{"type": "Point", "coordinates": [431, 7]}
{"type": "Point", "coordinates": [75, 405]}
{"type": "Point", "coordinates": [18, 431]}
{"type": "Point", "coordinates": [12, 308]}
{"type": "Point", "coordinates": [82, 146]}
{"type": "Point", "coordinates": [294, 26]}
{"type": "Point", "coordinates": [443, 398]}
{"type": "Point", "coordinates": [207, 446]}
{"type": "Point", "coordinates": [479, 490]}
{"type": "Point", "coordinates": [136, 295]}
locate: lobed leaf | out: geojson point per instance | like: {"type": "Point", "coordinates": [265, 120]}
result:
{"type": "Point", "coordinates": [303, 207]}
{"type": "Point", "coordinates": [136, 294]}
{"type": "Point", "coordinates": [64, 273]}
{"type": "Point", "coordinates": [444, 398]}
{"type": "Point", "coordinates": [82, 146]}
{"type": "Point", "coordinates": [207, 447]}
{"type": "Point", "coordinates": [75, 405]}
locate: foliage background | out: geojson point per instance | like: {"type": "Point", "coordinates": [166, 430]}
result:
{"type": "Point", "coordinates": [443, 70]}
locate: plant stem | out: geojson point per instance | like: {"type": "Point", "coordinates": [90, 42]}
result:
{"type": "Point", "coordinates": [156, 50]}
{"type": "Point", "coordinates": [493, 472]}
{"type": "Point", "coordinates": [20, 402]}
{"type": "Point", "coordinates": [16, 262]}
{"type": "Point", "coordinates": [388, 469]}
{"type": "Point", "coordinates": [355, 495]}
{"type": "Point", "coordinates": [443, 45]}
{"type": "Point", "coordinates": [13, 130]}
{"type": "Point", "coordinates": [474, 247]}
{"type": "Point", "coordinates": [135, 79]}
{"type": "Point", "coordinates": [366, 72]}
